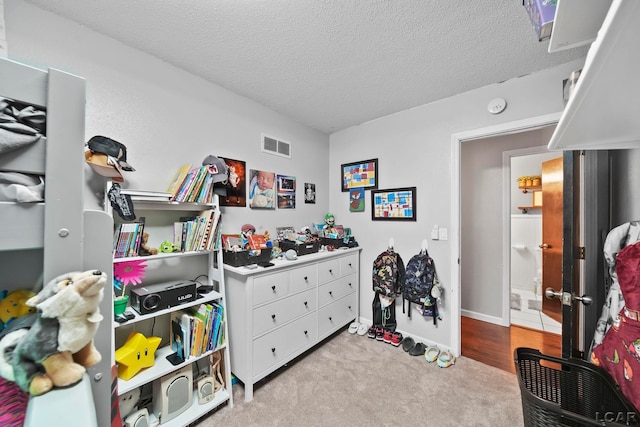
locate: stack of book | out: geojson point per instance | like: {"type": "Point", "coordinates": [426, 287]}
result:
{"type": "Point", "coordinates": [127, 238]}
{"type": "Point", "coordinates": [146, 195]}
{"type": "Point", "coordinates": [192, 184]}
{"type": "Point", "coordinates": [197, 330]}
{"type": "Point", "coordinates": [198, 233]}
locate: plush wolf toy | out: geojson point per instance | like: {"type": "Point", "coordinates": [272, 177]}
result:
{"type": "Point", "coordinates": [53, 346]}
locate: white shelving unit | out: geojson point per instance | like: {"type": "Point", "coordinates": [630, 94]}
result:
{"type": "Point", "coordinates": [205, 267]}
{"type": "Point", "coordinates": [602, 111]}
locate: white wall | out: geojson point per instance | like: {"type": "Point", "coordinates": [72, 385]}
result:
{"type": "Point", "coordinates": [414, 149]}
{"type": "Point", "coordinates": [167, 117]}
{"type": "Point", "coordinates": [526, 256]}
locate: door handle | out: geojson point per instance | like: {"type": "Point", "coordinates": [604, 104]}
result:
{"type": "Point", "coordinates": [544, 246]}
{"type": "Point", "coordinates": [551, 294]}
{"type": "Point", "coordinates": [566, 297]}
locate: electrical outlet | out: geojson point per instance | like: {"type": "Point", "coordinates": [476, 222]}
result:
{"type": "Point", "coordinates": [442, 234]}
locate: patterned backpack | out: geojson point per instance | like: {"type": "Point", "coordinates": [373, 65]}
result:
{"type": "Point", "coordinates": [420, 278]}
{"type": "Point", "coordinates": [388, 274]}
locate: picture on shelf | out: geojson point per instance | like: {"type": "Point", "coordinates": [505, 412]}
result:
{"type": "Point", "coordinates": [236, 185]}
{"type": "Point", "coordinates": [262, 193]}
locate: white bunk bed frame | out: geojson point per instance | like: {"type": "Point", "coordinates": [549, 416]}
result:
{"type": "Point", "coordinates": [59, 235]}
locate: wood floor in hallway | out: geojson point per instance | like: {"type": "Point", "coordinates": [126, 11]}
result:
{"type": "Point", "coordinates": [494, 344]}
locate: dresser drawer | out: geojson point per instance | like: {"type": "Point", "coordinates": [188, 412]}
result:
{"type": "Point", "coordinates": [335, 315]}
{"type": "Point", "coordinates": [333, 291]}
{"type": "Point", "coordinates": [348, 265]}
{"type": "Point", "coordinates": [280, 312]}
{"type": "Point", "coordinates": [275, 347]}
{"type": "Point", "coordinates": [328, 270]}
{"type": "Point", "coordinates": [270, 287]}
{"type": "Point", "coordinates": [303, 278]}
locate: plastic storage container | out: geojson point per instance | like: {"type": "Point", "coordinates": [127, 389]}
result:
{"type": "Point", "coordinates": [569, 392]}
{"type": "Point", "coordinates": [238, 259]}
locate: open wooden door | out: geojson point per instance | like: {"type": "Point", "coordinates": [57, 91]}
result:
{"type": "Point", "coordinates": [551, 246]}
{"type": "Point", "coordinates": [577, 294]}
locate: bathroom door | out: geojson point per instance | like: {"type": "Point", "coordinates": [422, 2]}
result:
{"type": "Point", "coordinates": [551, 246]}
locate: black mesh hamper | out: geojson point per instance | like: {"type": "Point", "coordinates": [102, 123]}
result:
{"type": "Point", "coordinates": [569, 392]}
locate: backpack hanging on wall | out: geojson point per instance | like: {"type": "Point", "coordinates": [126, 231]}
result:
{"type": "Point", "coordinates": [421, 285]}
{"type": "Point", "coordinates": [388, 273]}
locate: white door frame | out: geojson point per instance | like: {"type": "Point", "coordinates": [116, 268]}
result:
{"type": "Point", "coordinates": [456, 140]}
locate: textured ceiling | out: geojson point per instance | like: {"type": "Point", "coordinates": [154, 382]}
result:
{"type": "Point", "coordinates": [329, 64]}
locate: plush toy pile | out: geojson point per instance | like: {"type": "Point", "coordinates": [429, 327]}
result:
{"type": "Point", "coordinates": [53, 346]}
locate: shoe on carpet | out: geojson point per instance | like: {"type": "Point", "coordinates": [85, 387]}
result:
{"type": "Point", "coordinates": [371, 333]}
{"type": "Point", "coordinates": [446, 359]}
{"type": "Point", "coordinates": [396, 339]}
{"type": "Point", "coordinates": [379, 334]}
{"type": "Point", "coordinates": [408, 343]}
{"type": "Point", "coordinates": [362, 329]}
{"type": "Point", "coordinates": [353, 328]}
{"type": "Point", "coordinates": [431, 353]}
{"type": "Point", "coordinates": [387, 336]}
{"type": "Point", "coordinates": [418, 349]}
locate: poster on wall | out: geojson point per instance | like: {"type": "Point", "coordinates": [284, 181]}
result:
{"type": "Point", "coordinates": [309, 193]}
{"type": "Point", "coordinates": [236, 185]}
{"type": "Point", "coordinates": [356, 200]}
{"type": "Point", "coordinates": [262, 192]}
{"type": "Point", "coordinates": [362, 174]}
{"type": "Point", "coordinates": [398, 204]}
{"type": "Point", "coordinates": [286, 192]}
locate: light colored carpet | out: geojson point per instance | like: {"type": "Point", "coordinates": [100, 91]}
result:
{"type": "Point", "coordinates": [352, 380]}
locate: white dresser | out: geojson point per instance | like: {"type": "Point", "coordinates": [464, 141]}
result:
{"type": "Point", "coordinates": [277, 313]}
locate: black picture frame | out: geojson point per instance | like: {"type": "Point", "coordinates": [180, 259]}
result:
{"type": "Point", "coordinates": [396, 204]}
{"type": "Point", "coordinates": [362, 174]}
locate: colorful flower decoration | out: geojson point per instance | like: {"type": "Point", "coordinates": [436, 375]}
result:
{"type": "Point", "coordinates": [128, 272]}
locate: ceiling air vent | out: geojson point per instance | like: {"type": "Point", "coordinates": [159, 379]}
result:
{"type": "Point", "coordinates": [275, 146]}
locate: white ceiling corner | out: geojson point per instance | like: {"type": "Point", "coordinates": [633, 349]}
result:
{"type": "Point", "coordinates": [329, 64]}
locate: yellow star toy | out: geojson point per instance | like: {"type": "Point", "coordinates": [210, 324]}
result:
{"type": "Point", "coordinates": [137, 353]}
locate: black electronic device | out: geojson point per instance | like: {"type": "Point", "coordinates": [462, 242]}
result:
{"type": "Point", "coordinates": [149, 299]}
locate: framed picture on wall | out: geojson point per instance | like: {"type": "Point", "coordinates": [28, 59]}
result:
{"type": "Point", "coordinates": [362, 174]}
{"type": "Point", "coordinates": [262, 191]}
{"type": "Point", "coordinates": [398, 204]}
{"type": "Point", "coordinates": [236, 184]}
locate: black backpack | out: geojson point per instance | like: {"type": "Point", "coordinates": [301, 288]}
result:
{"type": "Point", "coordinates": [420, 278]}
{"type": "Point", "coordinates": [388, 274]}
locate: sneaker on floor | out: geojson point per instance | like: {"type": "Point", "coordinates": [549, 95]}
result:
{"type": "Point", "coordinates": [353, 328]}
{"type": "Point", "coordinates": [386, 337]}
{"type": "Point", "coordinates": [379, 334]}
{"type": "Point", "coordinates": [371, 333]}
{"type": "Point", "coordinates": [396, 339]}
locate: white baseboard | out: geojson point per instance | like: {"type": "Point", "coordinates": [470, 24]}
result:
{"type": "Point", "coordinates": [484, 317]}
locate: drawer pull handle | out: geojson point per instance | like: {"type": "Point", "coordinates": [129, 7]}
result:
{"type": "Point", "coordinates": [306, 279]}
{"type": "Point", "coordinates": [349, 307]}
{"type": "Point", "coordinates": [273, 349]}
{"type": "Point", "coordinates": [350, 265]}
{"type": "Point", "coordinates": [330, 319]}
{"type": "Point", "coordinates": [273, 288]}
{"type": "Point", "coordinates": [331, 293]}
{"type": "Point", "coordinates": [305, 303]}
{"type": "Point", "coordinates": [273, 316]}
{"type": "Point", "coordinates": [350, 284]}
{"type": "Point", "coordinates": [306, 332]}
{"type": "Point", "coordinates": [330, 271]}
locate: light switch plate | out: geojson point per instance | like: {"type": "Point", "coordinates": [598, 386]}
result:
{"type": "Point", "coordinates": [442, 234]}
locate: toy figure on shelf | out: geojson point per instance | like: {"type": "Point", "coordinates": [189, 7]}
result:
{"type": "Point", "coordinates": [14, 305]}
{"type": "Point", "coordinates": [330, 222]}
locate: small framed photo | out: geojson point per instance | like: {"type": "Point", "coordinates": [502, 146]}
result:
{"type": "Point", "coordinates": [398, 204]}
{"type": "Point", "coordinates": [309, 193]}
{"type": "Point", "coordinates": [362, 174]}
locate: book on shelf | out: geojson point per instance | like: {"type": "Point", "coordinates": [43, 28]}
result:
{"type": "Point", "coordinates": [177, 180]}
{"type": "Point", "coordinates": [127, 238]}
{"type": "Point", "coordinates": [146, 194]}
